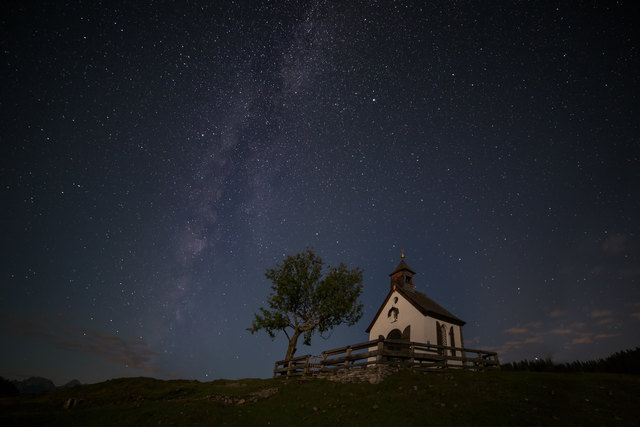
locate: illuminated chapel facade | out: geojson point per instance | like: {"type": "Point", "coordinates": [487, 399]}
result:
{"type": "Point", "coordinates": [409, 315]}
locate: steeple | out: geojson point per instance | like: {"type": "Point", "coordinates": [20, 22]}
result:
{"type": "Point", "coordinates": [402, 276]}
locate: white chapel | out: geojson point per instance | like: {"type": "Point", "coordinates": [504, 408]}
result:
{"type": "Point", "coordinates": [406, 314]}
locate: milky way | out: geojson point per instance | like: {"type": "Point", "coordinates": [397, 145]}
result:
{"type": "Point", "coordinates": [158, 158]}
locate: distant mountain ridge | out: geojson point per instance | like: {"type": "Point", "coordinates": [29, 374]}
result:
{"type": "Point", "coordinates": [32, 385]}
{"type": "Point", "coordinates": [71, 383]}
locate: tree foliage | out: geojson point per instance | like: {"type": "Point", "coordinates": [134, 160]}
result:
{"type": "Point", "coordinates": [623, 362]}
{"type": "Point", "coordinates": [306, 298]}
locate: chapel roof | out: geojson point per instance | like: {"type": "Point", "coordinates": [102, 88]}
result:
{"type": "Point", "coordinates": [428, 306]}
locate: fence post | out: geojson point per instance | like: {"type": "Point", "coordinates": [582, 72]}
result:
{"type": "Point", "coordinates": [413, 354]}
{"type": "Point", "coordinates": [380, 350]}
{"type": "Point", "coordinates": [346, 360]}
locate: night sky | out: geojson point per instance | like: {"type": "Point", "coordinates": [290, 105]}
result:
{"type": "Point", "coordinates": [157, 158]}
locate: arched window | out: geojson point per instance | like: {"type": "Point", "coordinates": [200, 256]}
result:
{"type": "Point", "coordinates": [452, 340]}
{"type": "Point", "coordinates": [406, 334]}
{"type": "Point", "coordinates": [443, 333]}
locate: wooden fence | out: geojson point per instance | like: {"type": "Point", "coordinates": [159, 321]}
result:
{"type": "Point", "coordinates": [390, 352]}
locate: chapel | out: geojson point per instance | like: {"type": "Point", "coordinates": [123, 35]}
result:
{"type": "Point", "coordinates": [409, 315]}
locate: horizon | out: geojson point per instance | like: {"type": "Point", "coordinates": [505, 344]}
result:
{"type": "Point", "coordinates": [63, 384]}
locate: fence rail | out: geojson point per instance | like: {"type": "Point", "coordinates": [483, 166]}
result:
{"type": "Point", "coordinates": [415, 355]}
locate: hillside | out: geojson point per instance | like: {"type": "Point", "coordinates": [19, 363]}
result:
{"type": "Point", "coordinates": [408, 398]}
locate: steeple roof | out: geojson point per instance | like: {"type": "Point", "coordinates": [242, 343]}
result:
{"type": "Point", "coordinates": [402, 266]}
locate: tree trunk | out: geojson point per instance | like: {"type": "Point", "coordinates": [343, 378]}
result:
{"type": "Point", "coordinates": [292, 344]}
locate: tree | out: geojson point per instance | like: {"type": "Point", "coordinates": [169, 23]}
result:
{"type": "Point", "coordinates": [302, 301]}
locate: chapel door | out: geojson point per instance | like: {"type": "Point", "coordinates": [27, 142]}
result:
{"type": "Point", "coordinates": [398, 348]}
{"type": "Point", "coordinates": [394, 347]}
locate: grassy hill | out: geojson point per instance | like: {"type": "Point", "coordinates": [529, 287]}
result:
{"type": "Point", "coordinates": [407, 398]}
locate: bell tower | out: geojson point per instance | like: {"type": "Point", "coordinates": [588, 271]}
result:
{"type": "Point", "coordinates": [402, 276]}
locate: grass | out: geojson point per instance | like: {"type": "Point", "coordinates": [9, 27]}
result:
{"type": "Point", "coordinates": [407, 398]}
